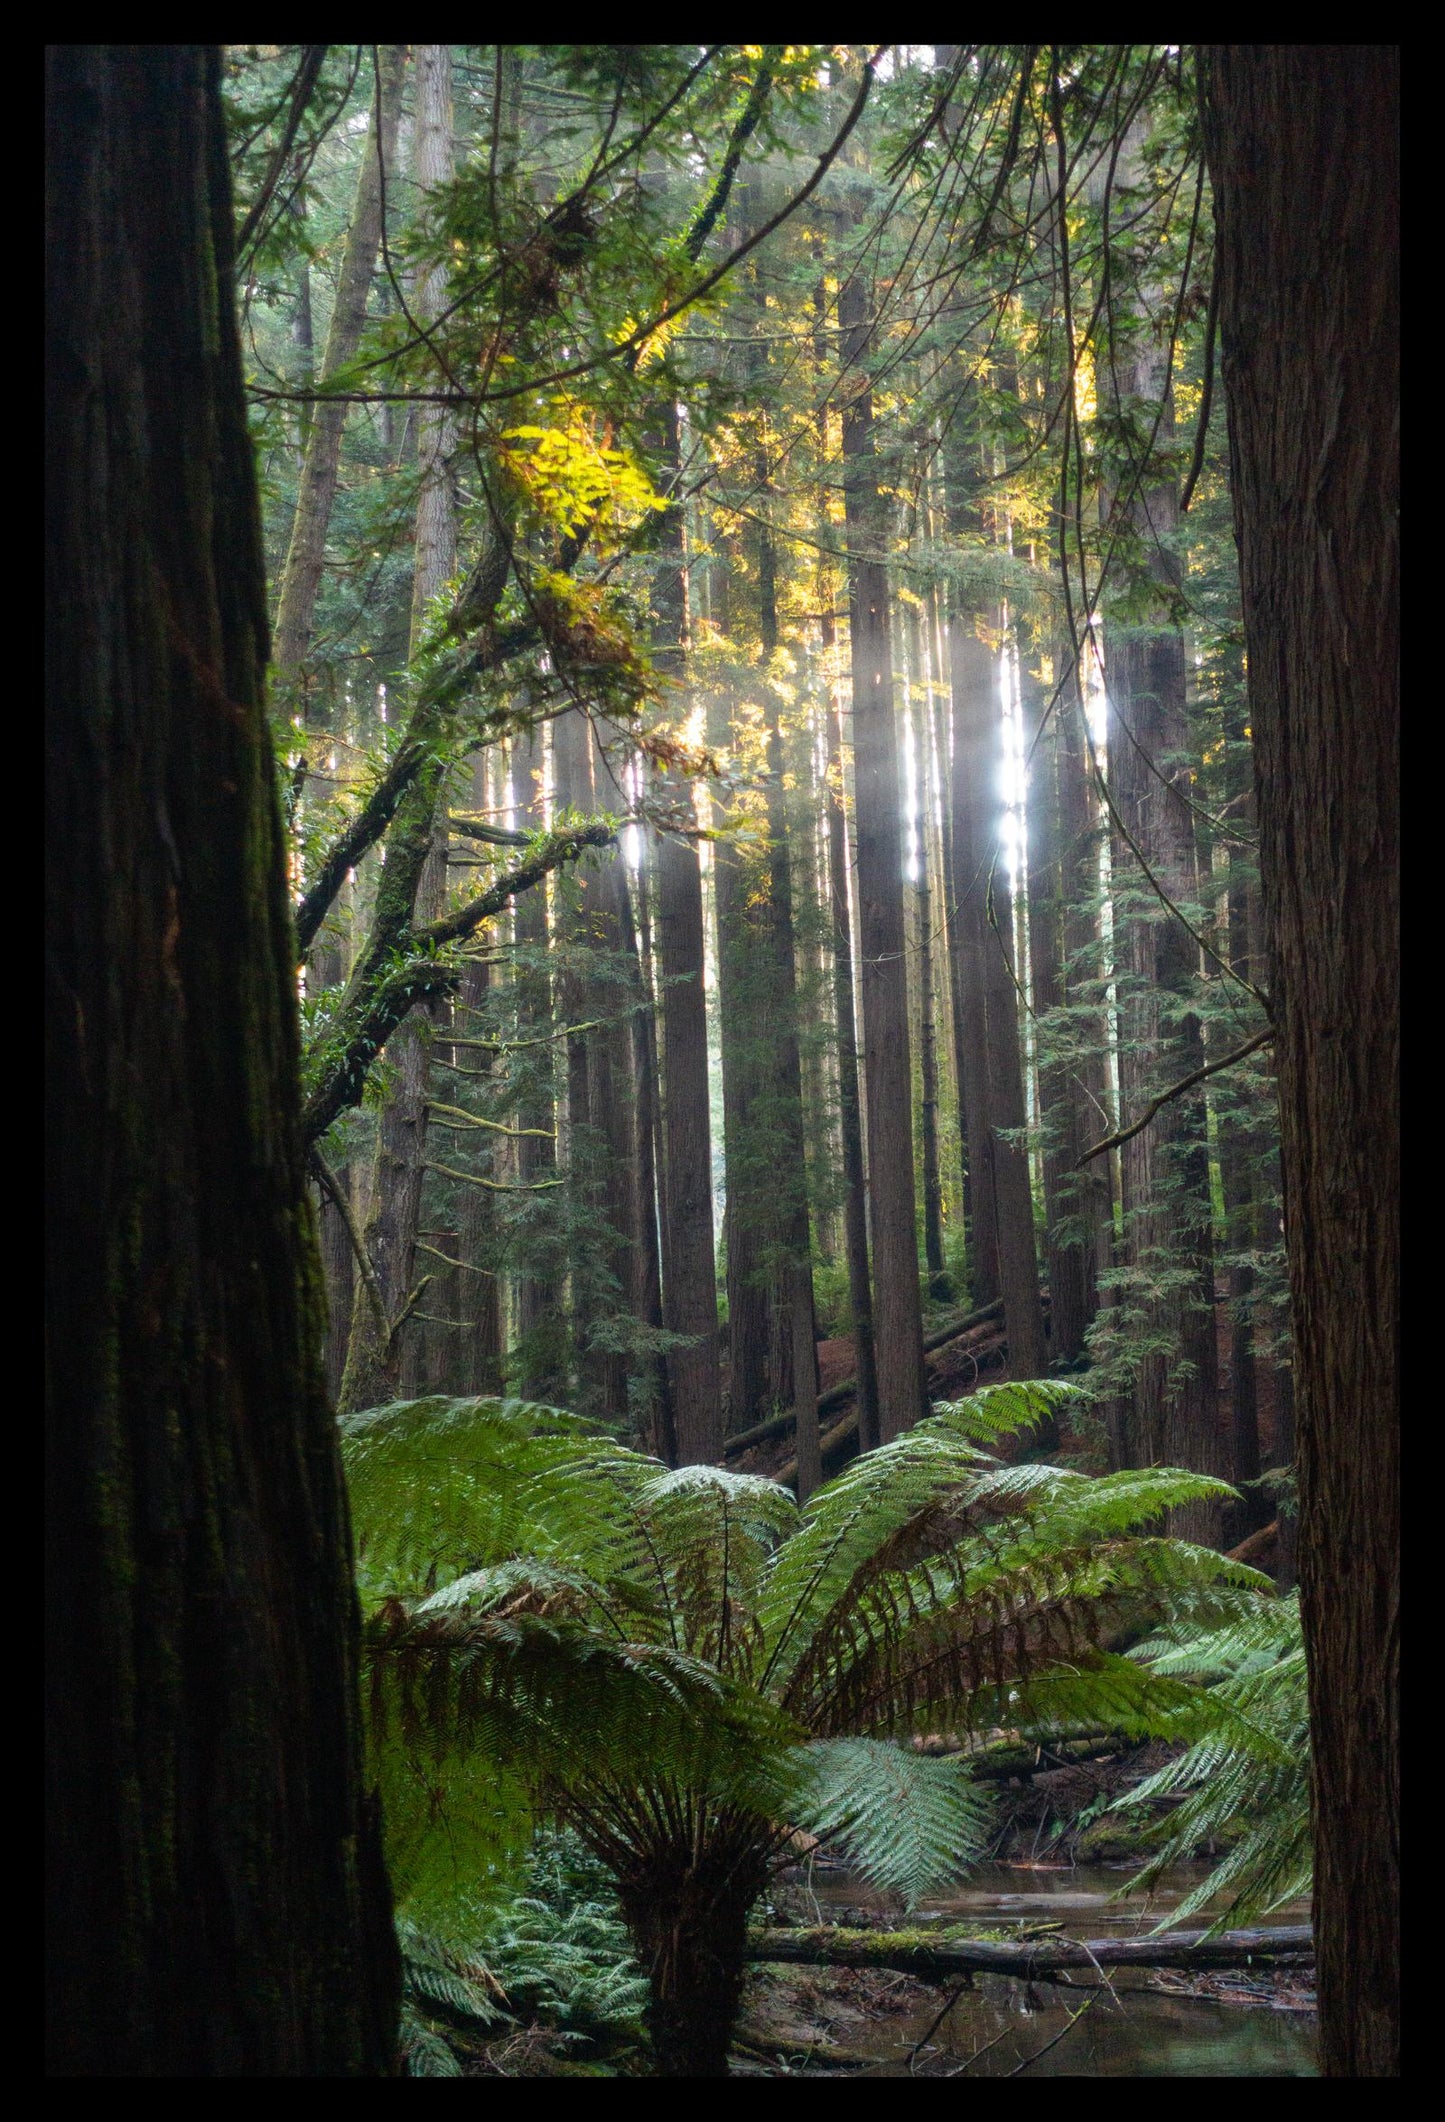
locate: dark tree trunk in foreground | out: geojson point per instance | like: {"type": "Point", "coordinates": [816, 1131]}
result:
{"type": "Point", "coordinates": [218, 1902]}
{"type": "Point", "coordinates": [1303, 152]}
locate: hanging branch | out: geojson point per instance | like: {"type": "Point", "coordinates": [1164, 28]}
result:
{"type": "Point", "coordinates": [1176, 1090]}
{"type": "Point", "coordinates": [1201, 431]}
{"type": "Point", "coordinates": [305, 81]}
{"type": "Point", "coordinates": [342, 1206]}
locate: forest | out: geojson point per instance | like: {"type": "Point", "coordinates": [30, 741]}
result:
{"type": "Point", "coordinates": [722, 1032]}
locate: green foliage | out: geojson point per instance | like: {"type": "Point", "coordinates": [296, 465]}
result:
{"type": "Point", "coordinates": [906, 1821]}
{"type": "Point", "coordinates": [1249, 1763]}
{"type": "Point", "coordinates": [556, 1625]}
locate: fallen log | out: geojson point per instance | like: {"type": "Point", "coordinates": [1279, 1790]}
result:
{"type": "Point", "coordinates": [834, 1439]}
{"type": "Point", "coordinates": [941, 1958]}
{"type": "Point", "coordinates": [838, 1395]}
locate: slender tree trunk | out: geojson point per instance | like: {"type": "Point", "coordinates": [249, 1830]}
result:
{"type": "Point", "coordinates": [1168, 1215]}
{"type": "Point", "coordinates": [650, 1383]}
{"type": "Point", "coordinates": [938, 1282]}
{"type": "Point", "coordinates": [855, 1203]}
{"type": "Point", "coordinates": [218, 1904]}
{"type": "Point", "coordinates": [375, 1363]}
{"type": "Point", "coordinates": [737, 951]}
{"type": "Point", "coordinates": [897, 1311]}
{"type": "Point", "coordinates": [541, 1367]}
{"type": "Point", "coordinates": [1233, 1130]}
{"type": "Point", "coordinates": [1303, 151]}
{"type": "Point", "coordinates": [473, 1356]}
{"type": "Point", "coordinates": [301, 575]}
{"type": "Point", "coordinates": [972, 678]}
{"type": "Point", "coordinates": [990, 1063]}
{"type": "Point", "coordinates": [689, 1265]}
{"type": "Point", "coordinates": [1070, 1261]}
{"type": "Point", "coordinates": [319, 436]}
{"type": "Point", "coordinates": [1080, 836]}
{"type": "Point", "coordinates": [573, 791]}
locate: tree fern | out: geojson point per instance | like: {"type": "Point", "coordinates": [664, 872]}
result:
{"type": "Point", "coordinates": [685, 1667]}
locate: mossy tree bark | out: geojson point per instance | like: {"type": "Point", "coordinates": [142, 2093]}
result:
{"type": "Point", "coordinates": [219, 1905]}
{"type": "Point", "coordinates": [1304, 154]}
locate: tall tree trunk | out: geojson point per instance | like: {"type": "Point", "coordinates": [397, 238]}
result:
{"type": "Point", "coordinates": [541, 1357]}
{"type": "Point", "coordinates": [1168, 1214]}
{"type": "Point", "coordinates": [855, 1202]}
{"type": "Point", "coordinates": [795, 1372]}
{"type": "Point", "coordinates": [1303, 152]}
{"type": "Point", "coordinates": [319, 438]}
{"type": "Point", "coordinates": [473, 1349]}
{"type": "Point", "coordinates": [375, 1362]}
{"type": "Point", "coordinates": [1081, 841]}
{"type": "Point", "coordinates": [689, 1265]}
{"type": "Point", "coordinates": [301, 575]}
{"type": "Point", "coordinates": [573, 791]}
{"type": "Point", "coordinates": [1233, 1128]}
{"type": "Point", "coordinates": [916, 693]}
{"type": "Point", "coordinates": [218, 1904]}
{"type": "Point", "coordinates": [737, 950]}
{"type": "Point", "coordinates": [897, 1309]}
{"type": "Point", "coordinates": [990, 1063]}
{"type": "Point", "coordinates": [1069, 1118]}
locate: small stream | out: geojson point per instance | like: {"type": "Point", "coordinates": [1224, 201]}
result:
{"type": "Point", "coordinates": [1127, 2031]}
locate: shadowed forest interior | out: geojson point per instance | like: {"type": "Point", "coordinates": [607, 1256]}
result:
{"type": "Point", "coordinates": [808, 1027]}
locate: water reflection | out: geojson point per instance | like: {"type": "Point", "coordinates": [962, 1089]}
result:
{"type": "Point", "coordinates": [1089, 2029]}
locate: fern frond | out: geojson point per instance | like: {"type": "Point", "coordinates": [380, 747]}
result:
{"type": "Point", "coordinates": [909, 1823]}
{"type": "Point", "coordinates": [1249, 1762]}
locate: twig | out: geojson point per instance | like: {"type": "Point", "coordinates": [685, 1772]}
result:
{"type": "Point", "coordinates": [1074, 2019]}
{"type": "Point", "coordinates": [934, 2025]}
{"type": "Point", "coordinates": [959, 2070]}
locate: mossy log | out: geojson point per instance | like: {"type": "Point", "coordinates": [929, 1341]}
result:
{"type": "Point", "coordinates": [934, 1956]}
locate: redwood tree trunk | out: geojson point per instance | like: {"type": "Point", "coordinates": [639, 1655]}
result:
{"type": "Point", "coordinates": [855, 1204]}
{"type": "Point", "coordinates": [1303, 149]}
{"type": "Point", "coordinates": [897, 1306]}
{"type": "Point", "coordinates": [218, 1902]}
{"type": "Point", "coordinates": [689, 1264]}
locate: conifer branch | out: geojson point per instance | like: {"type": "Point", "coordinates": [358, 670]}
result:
{"type": "Point", "coordinates": [1176, 1090]}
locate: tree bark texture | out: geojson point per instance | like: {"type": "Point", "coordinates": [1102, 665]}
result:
{"type": "Point", "coordinates": [218, 1901]}
{"type": "Point", "coordinates": [1303, 153]}
{"type": "Point", "coordinates": [888, 1088]}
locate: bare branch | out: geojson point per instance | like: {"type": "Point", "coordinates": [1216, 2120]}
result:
{"type": "Point", "coordinates": [1176, 1090]}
